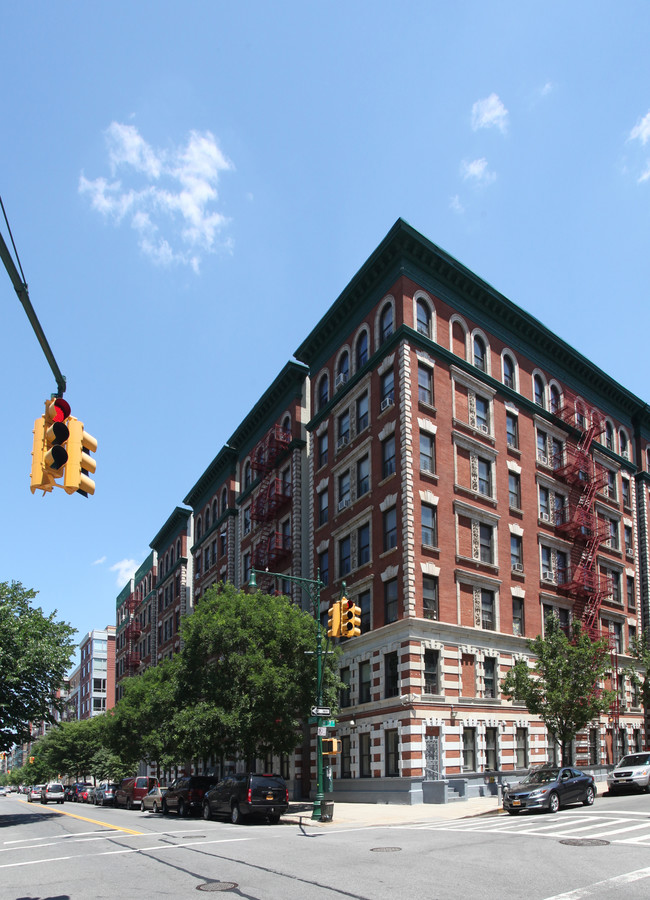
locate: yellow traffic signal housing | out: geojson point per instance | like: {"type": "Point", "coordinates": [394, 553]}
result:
{"type": "Point", "coordinates": [350, 619]}
{"type": "Point", "coordinates": [330, 746]}
{"type": "Point", "coordinates": [334, 620]}
{"type": "Point", "coordinates": [79, 463]}
{"type": "Point", "coordinates": [49, 454]}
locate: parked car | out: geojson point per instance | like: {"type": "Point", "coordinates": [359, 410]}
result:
{"type": "Point", "coordinates": [34, 793]}
{"type": "Point", "coordinates": [185, 795]}
{"type": "Point", "coordinates": [3, 792]}
{"type": "Point", "coordinates": [81, 788]}
{"type": "Point", "coordinates": [247, 795]}
{"type": "Point", "coordinates": [153, 800]}
{"type": "Point", "coordinates": [550, 787]}
{"type": "Point", "coordinates": [105, 794]}
{"type": "Point", "coordinates": [132, 790]}
{"type": "Point", "coordinates": [633, 771]}
{"type": "Point", "coordinates": [83, 792]}
{"type": "Point", "coordinates": [69, 790]}
{"type": "Point", "coordinates": [53, 791]}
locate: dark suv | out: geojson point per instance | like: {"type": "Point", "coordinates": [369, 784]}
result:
{"type": "Point", "coordinates": [248, 794]}
{"type": "Point", "coordinates": [186, 794]}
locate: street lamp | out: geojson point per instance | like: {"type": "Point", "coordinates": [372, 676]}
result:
{"type": "Point", "coordinates": [312, 587]}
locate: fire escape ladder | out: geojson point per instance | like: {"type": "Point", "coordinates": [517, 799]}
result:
{"type": "Point", "coordinates": [271, 496]}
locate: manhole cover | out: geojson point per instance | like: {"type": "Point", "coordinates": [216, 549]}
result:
{"type": "Point", "coordinates": [585, 842]}
{"type": "Point", "coordinates": [385, 849]}
{"type": "Point", "coordinates": [217, 886]}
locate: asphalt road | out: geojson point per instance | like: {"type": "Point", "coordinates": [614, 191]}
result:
{"type": "Point", "coordinates": [79, 852]}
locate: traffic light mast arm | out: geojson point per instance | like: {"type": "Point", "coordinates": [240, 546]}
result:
{"type": "Point", "coordinates": [23, 295]}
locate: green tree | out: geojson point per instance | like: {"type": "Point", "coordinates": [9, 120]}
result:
{"type": "Point", "coordinates": [247, 675]}
{"type": "Point", "coordinates": [35, 654]}
{"type": "Point", "coordinates": [562, 688]}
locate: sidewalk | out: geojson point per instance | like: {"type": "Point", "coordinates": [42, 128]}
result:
{"type": "Point", "coordinates": [368, 814]}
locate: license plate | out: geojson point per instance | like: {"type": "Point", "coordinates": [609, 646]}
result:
{"type": "Point", "coordinates": [269, 796]}
{"type": "Point", "coordinates": [516, 802]}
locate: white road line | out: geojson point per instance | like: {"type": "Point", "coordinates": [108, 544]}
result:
{"type": "Point", "coordinates": [63, 836]}
{"type": "Point", "coordinates": [591, 889]}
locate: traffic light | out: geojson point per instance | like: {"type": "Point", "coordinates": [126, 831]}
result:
{"type": "Point", "coordinates": [330, 746]}
{"type": "Point", "coordinates": [334, 620]}
{"type": "Point", "coordinates": [350, 618]}
{"type": "Point", "coordinates": [49, 454]}
{"type": "Point", "coordinates": [31, 760]}
{"type": "Point", "coordinates": [79, 463]}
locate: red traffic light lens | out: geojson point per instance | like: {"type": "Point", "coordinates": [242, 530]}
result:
{"type": "Point", "coordinates": [61, 410]}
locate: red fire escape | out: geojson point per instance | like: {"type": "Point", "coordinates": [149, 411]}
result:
{"type": "Point", "coordinates": [272, 496]}
{"type": "Point", "coordinates": [131, 635]}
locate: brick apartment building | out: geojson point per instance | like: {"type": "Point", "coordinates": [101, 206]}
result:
{"type": "Point", "coordinates": [96, 684]}
{"type": "Point", "coordinates": [467, 474]}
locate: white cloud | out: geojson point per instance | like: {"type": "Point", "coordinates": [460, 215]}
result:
{"type": "Point", "coordinates": [641, 130]}
{"type": "Point", "coordinates": [125, 569]}
{"type": "Point", "coordinates": [168, 197]}
{"type": "Point", "coordinates": [477, 171]}
{"type": "Point", "coordinates": [547, 89]}
{"type": "Point", "coordinates": [456, 205]}
{"type": "Point", "coordinates": [98, 562]}
{"type": "Point", "coordinates": [489, 113]}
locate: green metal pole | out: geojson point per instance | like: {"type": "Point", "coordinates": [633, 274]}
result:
{"type": "Point", "coordinates": [320, 796]}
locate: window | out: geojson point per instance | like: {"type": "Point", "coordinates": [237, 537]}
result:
{"type": "Point", "coordinates": [364, 682]}
{"type": "Point", "coordinates": [344, 489]}
{"type": "Point", "coordinates": [391, 678]}
{"type": "Point", "coordinates": [491, 757]}
{"type": "Point", "coordinates": [363, 602]}
{"type": "Point", "coordinates": [480, 356]}
{"type": "Point", "coordinates": [544, 508]}
{"type": "Point", "coordinates": [390, 601]}
{"type": "Point", "coordinates": [322, 449]}
{"type": "Point", "coordinates": [516, 553]}
{"type": "Point", "coordinates": [344, 693]}
{"type": "Point", "coordinates": [323, 392]}
{"type": "Point", "coordinates": [423, 318]}
{"type": "Point", "coordinates": [627, 532]}
{"type": "Point", "coordinates": [611, 484]}
{"type": "Point", "coordinates": [622, 437]}
{"type": "Point", "coordinates": [484, 477]}
{"type": "Point", "coordinates": [363, 544]}
{"type": "Point", "coordinates": [429, 525]}
{"type": "Point", "coordinates": [392, 753]}
{"type": "Point", "coordinates": [363, 476]}
{"type": "Point", "coordinates": [346, 757]}
{"type": "Point", "coordinates": [490, 676]}
{"type": "Point", "coordinates": [362, 349]}
{"type": "Point", "coordinates": [427, 452]}
{"type": "Point", "coordinates": [345, 563]}
{"type": "Point", "coordinates": [324, 566]}
{"type": "Point", "coordinates": [323, 507]}
{"type": "Point", "coordinates": [430, 597]}
{"type": "Point", "coordinates": [518, 615]}
{"type": "Point", "coordinates": [557, 453]}
{"type": "Point", "coordinates": [388, 456]}
{"type": "Point", "coordinates": [561, 566]}
{"type": "Point", "coordinates": [521, 748]}
{"type": "Point", "coordinates": [362, 412]}
{"type": "Point", "coordinates": [469, 749]}
{"type": "Point", "coordinates": [512, 430]}
{"type": "Point", "coordinates": [431, 670]}
{"type": "Point", "coordinates": [508, 371]}
{"type": "Point", "coordinates": [364, 755]}
{"type": "Point", "coordinates": [386, 323]}
{"type": "Point", "coordinates": [542, 439]}
{"type": "Point", "coordinates": [247, 567]}
{"type": "Point", "coordinates": [248, 476]}
{"type": "Point", "coordinates": [487, 610]}
{"type": "Point", "coordinates": [631, 594]}
{"type": "Point", "coordinates": [483, 414]}
{"type": "Point", "coordinates": [486, 550]}
{"type": "Point", "coordinates": [514, 490]}
{"type": "Point", "coordinates": [343, 429]}
{"type": "Point", "coordinates": [556, 400]}
{"type": "Point", "coordinates": [344, 369]}
{"type": "Point", "coordinates": [425, 384]}
{"type": "Point", "coordinates": [538, 391]}
{"type": "Point", "coordinates": [625, 484]}
{"type": "Point", "coordinates": [609, 436]}
{"type": "Point", "coordinates": [247, 520]}
{"type": "Point", "coordinates": [612, 529]}
{"type": "Point", "coordinates": [390, 528]}
{"type": "Point", "coordinates": [387, 388]}
{"type": "Point", "coordinates": [593, 746]}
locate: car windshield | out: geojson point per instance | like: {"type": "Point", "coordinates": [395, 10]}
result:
{"type": "Point", "coordinates": [635, 759]}
{"type": "Point", "coordinates": [541, 776]}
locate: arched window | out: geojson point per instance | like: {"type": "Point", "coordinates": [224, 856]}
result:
{"type": "Point", "coordinates": [207, 519]}
{"type": "Point", "coordinates": [385, 323]}
{"type": "Point", "coordinates": [171, 557]}
{"type": "Point", "coordinates": [538, 390]}
{"type": "Point", "coordinates": [609, 436]}
{"type": "Point", "coordinates": [224, 500]}
{"type": "Point", "coordinates": [508, 371]}
{"type": "Point", "coordinates": [198, 528]}
{"type": "Point", "coordinates": [423, 318]}
{"type": "Point", "coordinates": [343, 372]}
{"type": "Point", "coordinates": [362, 349]}
{"type": "Point", "coordinates": [286, 424]}
{"type": "Point", "coordinates": [555, 399]}
{"type": "Point", "coordinates": [623, 443]}
{"type": "Point", "coordinates": [323, 392]}
{"type": "Point", "coordinates": [178, 548]}
{"type": "Point", "coordinates": [215, 510]}
{"type": "Point", "coordinates": [248, 477]}
{"type": "Point", "coordinates": [480, 355]}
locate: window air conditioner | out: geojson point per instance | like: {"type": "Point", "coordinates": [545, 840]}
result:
{"type": "Point", "coordinates": [341, 378]}
{"type": "Point", "coordinates": [548, 576]}
{"type": "Point", "coordinates": [542, 458]}
{"type": "Point", "coordinates": [484, 429]}
{"type": "Point", "coordinates": [343, 503]}
{"type": "Point", "coordinates": [386, 402]}
{"type": "Point", "coordinates": [342, 441]}
{"type": "Point", "coordinates": [545, 517]}
{"type": "Point", "coordinates": [517, 567]}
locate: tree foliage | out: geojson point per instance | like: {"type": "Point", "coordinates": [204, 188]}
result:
{"type": "Point", "coordinates": [562, 688]}
{"type": "Point", "coordinates": [35, 653]}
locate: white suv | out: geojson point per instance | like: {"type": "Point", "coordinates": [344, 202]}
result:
{"type": "Point", "coordinates": [53, 791]}
{"type": "Point", "coordinates": [632, 771]}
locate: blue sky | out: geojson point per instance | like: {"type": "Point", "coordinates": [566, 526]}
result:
{"type": "Point", "coordinates": [191, 185]}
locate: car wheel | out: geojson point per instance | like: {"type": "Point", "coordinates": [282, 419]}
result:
{"type": "Point", "coordinates": [235, 814]}
{"type": "Point", "coordinates": [129, 803]}
{"type": "Point", "coordinates": [142, 809]}
{"type": "Point", "coordinates": [589, 797]}
{"type": "Point", "coordinates": [274, 819]}
{"type": "Point", "coordinates": [154, 808]}
{"type": "Point", "coordinates": [553, 802]}
{"type": "Point", "coordinates": [182, 812]}
{"type": "Point", "coordinates": [165, 808]}
{"type": "Point", "coordinates": [206, 811]}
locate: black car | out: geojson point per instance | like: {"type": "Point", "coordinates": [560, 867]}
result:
{"type": "Point", "coordinates": [247, 794]}
{"type": "Point", "coordinates": [185, 795]}
{"type": "Point", "coordinates": [550, 787]}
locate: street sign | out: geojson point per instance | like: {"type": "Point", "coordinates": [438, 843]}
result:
{"type": "Point", "coordinates": [322, 732]}
{"type": "Point", "coordinates": [331, 723]}
{"type": "Point", "coordinates": [321, 711]}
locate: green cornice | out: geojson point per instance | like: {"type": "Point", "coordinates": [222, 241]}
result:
{"type": "Point", "coordinates": [174, 526]}
{"type": "Point", "coordinates": [222, 465]}
{"type": "Point", "coordinates": [404, 251]}
{"type": "Point", "coordinates": [145, 567]}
